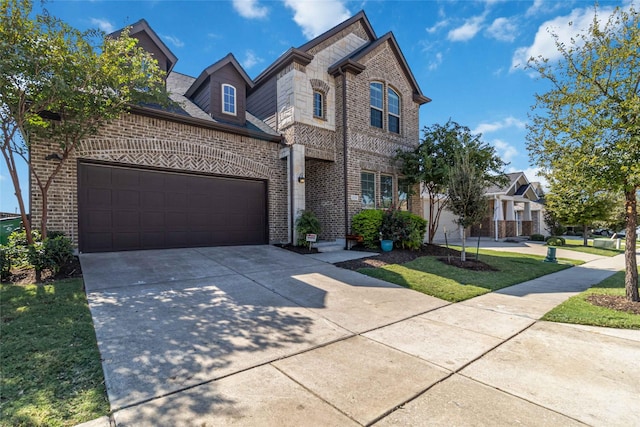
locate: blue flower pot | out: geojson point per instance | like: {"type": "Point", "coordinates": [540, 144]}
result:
{"type": "Point", "coordinates": [386, 245]}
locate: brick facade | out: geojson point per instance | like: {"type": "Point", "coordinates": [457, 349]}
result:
{"type": "Point", "coordinates": [152, 142]}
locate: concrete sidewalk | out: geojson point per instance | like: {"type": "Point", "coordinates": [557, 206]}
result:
{"type": "Point", "coordinates": [370, 353]}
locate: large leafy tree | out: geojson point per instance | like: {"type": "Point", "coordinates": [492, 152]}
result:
{"type": "Point", "coordinates": [59, 85]}
{"type": "Point", "coordinates": [465, 191]}
{"type": "Point", "coordinates": [590, 116]}
{"type": "Point", "coordinates": [431, 162]}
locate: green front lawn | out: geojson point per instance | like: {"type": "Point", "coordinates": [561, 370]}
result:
{"type": "Point", "coordinates": [576, 245]}
{"type": "Point", "coordinates": [50, 365]}
{"type": "Point", "coordinates": [432, 277]}
{"type": "Point", "coordinates": [578, 310]}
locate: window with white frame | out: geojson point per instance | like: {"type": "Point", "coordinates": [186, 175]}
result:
{"type": "Point", "coordinates": [377, 104]}
{"type": "Point", "coordinates": [368, 190]}
{"type": "Point", "coordinates": [228, 99]}
{"type": "Point", "coordinates": [386, 191]}
{"type": "Point", "coordinates": [393, 108]}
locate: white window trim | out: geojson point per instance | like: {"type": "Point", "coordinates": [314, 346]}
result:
{"type": "Point", "coordinates": [373, 106]}
{"type": "Point", "coordinates": [235, 100]}
{"type": "Point", "coordinates": [399, 110]}
{"type": "Point", "coordinates": [375, 190]}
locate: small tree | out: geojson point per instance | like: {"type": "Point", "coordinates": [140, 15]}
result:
{"type": "Point", "coordinates": [466, 195]}
{"type": "Point", "coordinates": [56, 86]}
{"type": "Point", "coordinates": [431, 162]}
{"type": "Point", "coordinates": [571, 201]}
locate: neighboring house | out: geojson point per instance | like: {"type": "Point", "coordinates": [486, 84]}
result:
{"type": "Point", "coordinates": [238, 160]}
{"type": "Point", "coordinates": [514, 210]}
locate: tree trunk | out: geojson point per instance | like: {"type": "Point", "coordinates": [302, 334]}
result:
{"type": "Point", "coordinates": [585, 237]}
{"type": "Point", "coordinates": [463, 253]}
{"type": "Point", "coordinates": [631, 265]}
{"type": "Point", "coordinates": [13, 173]}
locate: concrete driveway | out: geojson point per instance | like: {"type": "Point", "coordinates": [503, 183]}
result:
{"type": "Point", "coordinates": [262, 336]}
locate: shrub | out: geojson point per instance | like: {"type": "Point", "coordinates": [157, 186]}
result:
{"type": "Point", "coordinates": [410, 229]}
{"type": "Point", "coordinates": [537, 237]}
{"type": "Point", "coordinates": [570, 233]}
{"type": "Point", "coordinates": [367, 224]}
{"type": "Point", "coordinates": [307, 223]}
{"type": "Point", "coordinates": [17, 246]}
{"type": "Point", "coordinates": [555, 241]}
{"type": "Point", "coordinates": [58, 252]}
{"type": "Point", "coordinates": [5, 263]}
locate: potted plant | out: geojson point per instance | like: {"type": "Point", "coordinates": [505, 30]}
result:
{"type": "Point", "coordinates": [387, 231]}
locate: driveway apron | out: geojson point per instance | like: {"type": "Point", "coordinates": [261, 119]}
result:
{"type": "Point", "coordinates": [169, 320]}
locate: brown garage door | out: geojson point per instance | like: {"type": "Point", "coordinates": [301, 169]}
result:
{"type": "Point", "coordinates": [123, 208]}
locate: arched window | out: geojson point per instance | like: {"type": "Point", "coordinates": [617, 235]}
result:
{"type": "Point", "coordinates": [393, 108]}
{"type": "Point", "coordinates": [228, 99]}
{"type": "Point", "coordinates": [377, 104]}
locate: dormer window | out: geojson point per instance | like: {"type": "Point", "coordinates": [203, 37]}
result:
{"type": "Point", "coordinates": [228, 99]}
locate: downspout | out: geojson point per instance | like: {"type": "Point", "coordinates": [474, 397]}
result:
{"type": "Point", "coordinates": [344, 151]}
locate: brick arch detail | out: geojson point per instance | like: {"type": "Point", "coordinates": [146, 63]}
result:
{"type": "Point", "coordinates": [181, 155]}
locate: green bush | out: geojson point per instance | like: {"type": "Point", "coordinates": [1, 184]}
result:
{"type": "Point", "coordinates": [537, 237]}
{"type": "Point", "coordinates": [555, 241]}
{"type": "Point", "coordinates": [58, 252]}
{"type": "Point", "coordinates": [410, 230]}
{"type": "Point", "coordinates": [5, 263]}
{"type": "Point", "coordinates": [17, 246]}
{"type": "Point", "coordinates": [367, 224]}
{"type": "Point", "coordinates": [307, 223]}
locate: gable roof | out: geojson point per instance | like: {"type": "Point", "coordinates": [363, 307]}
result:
{"type": "Point", "coordinates": [211, 69]}
{"type": "Point", "coordinates": [360, 16]}
{"type": "Point", "coordinates": [369, 47]}
{"type": "Point", "coordinates": [518, 185]}
{"type": "Point", "coordinates": [143, 26]}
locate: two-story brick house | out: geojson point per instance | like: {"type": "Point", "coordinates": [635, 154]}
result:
{"type": "Point", "coordinates": [239, 159]}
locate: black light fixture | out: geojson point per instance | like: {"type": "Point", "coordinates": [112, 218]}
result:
{"type": "Point", "coordinates": [53, 156]}
{"type": "Point", "coordinates": [301, 179]}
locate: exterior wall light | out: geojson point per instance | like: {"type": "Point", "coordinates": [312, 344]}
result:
{"type": "Point", "coordinates": [301, 179]}
{"type": "Point", "coordinates": [53, 156]}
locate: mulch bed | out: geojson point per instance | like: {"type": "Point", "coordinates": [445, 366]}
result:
{"type": "Point", "coordinates": [27, 276]}
{"type": "Point", "coordinates": [469, 264]}
{"type": "Point", "coordinates": [615, 302]}
{"type": "Point", "coordinates": [396, 256]}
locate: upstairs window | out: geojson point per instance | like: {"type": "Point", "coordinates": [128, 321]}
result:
{"type": "Point", "coordinates": [393, 101]}
{"type": "Point", "coordinates": [377, 104]}
{"type": "Point", "coordinates": [228, 99]}
{"type": "Point", "coordinates": [318, 104]}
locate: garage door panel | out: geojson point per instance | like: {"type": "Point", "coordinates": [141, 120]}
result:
{"type": "Point", "coordinates": [122, 208]}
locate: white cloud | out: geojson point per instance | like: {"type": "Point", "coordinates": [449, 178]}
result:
{"type": "Point", "coordinates": [508, 122]}
{"type": "Point", "coordinates": [503, 29]}
{"type": "Point", "coordinates": [435, 61]}
{"type": "Point", "coordinates": [250, 59]}
{"type": "Point", "coordinates": [176, 42]}
{"type": "Point", "coordinates": [315, 17]}
{"type": "Point", "coordinates": [540, 7]}
{"type": "Point", "coordinates": [250, 9]}
{"type": "Point", "coordinates": [468, 30]}
{"type": "Point", "coordinates": [103, 24]}
{"type": "Point", "coordinates": [438, 25]}
{"type": "Point", "coordinates": [565, 27]}
{"type": "Point", "coordinates": [506, 151]}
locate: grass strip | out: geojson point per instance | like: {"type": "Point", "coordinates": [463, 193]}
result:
{"type": "Point", "coordinates": [50, 364]}
{"type": "Point", "coordinates": [433, 277]}
{"type": "Point", "coordinates": [579, 311]}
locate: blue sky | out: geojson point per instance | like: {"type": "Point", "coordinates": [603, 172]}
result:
{"type": "Point", "coordinates": [467, 56]}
